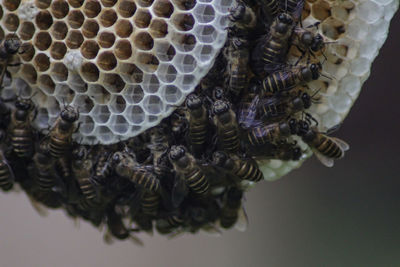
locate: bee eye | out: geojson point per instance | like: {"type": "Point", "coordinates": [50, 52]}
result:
{"type": "Point", "coordinates": [281, 17]}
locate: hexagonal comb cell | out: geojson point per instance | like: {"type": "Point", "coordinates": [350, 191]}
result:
{"type": "Point", "coordinates": [110, 57]}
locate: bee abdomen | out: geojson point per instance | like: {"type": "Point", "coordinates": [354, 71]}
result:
{"type": "Point", "coordinates": [22, 141]}
{"type": "Point", "coordinates": [58, 147]}
{"type": "Point", "coordinates": [228, 217]}
{"type": "Point", "coordinates": [87, 188]}
{"type": "Point", "coordinates": [150, 203]}
{"type": "Point", "coordinates": [198, 182]}
{"type": "Point", "coordinates": [249, 171]}
{"type": "Point", "coordinates": [230, 140]}
{"type": "Point", "coordinates": [278, 81]}
{"type": "Point", "coordinates": [6, 182]}
{"type": "Point", "coordinates": [147, 180]}
{"type": "Point", "coordinates": [272, 6]}
{"type": "Point", "coordinates": [329, 148]}
{"type": "Point", "coordinates": [174, 221]}
{"type": "Point", "coordinates": [197, 133]}
{"type": "Point", "coordinates": [45, 181]}
{"type": "Point", "coordinates": [259, 136]}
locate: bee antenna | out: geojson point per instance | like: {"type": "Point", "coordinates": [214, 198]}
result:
{"type": "Point", "coordinates": [326, 76]}
{"type": "Point", "coordinates": [315, 93]}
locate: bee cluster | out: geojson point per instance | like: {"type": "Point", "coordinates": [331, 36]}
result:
{"type": "Point", "coordinates": [189, 173]}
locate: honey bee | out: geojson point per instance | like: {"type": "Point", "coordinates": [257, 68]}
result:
{"type": "Point", "coordinates": [227, 126]}
{"type": "Point", "coordinates": [140, 175]}
{"type": "Point", "coordinates": [308, 42]}
{"type": "Point", "coordinates": [270, 133]}
{"type": "Point", "coordinates": [187, 173]}
{"type": "Point", "coordinates": [243, 168]}
{"type": "Point", "coordinates": [117, 229]}
{"type": "Point", "coordinates": [289, 77]}
{"type": "Point", "coordinates": [104, 167]}
{"type": "Point", "coordinates": [270, 52]}
{"type": "Point", "coordinates": [62, 130]}
{"type": "Point", "coordinates": [8, 48]}
{"type": "Point", "coordinates": [325, 147]}
{"type": "Point", "coordinates": [44, 171]}
{"type": "Point", "coordinates": [232, 212]}
{"type": "Point", "coordinates": [278, 107]}
{"type": "Point", "coordinates": [6, 173]}
{"type": "Point", "coordinates": [198, 123]}
{"type": "Point", "coordinates": [20, 129]}
{"type": "Point", "coordinates": [170, 223]}
{"type": "Point", "coordinates": [238, 57]}
{"type": "Point", "coordinates": [82, 167]}
{"type": "Point", "coordinates": [148, 192]}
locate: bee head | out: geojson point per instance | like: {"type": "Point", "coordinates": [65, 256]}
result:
{"type": "Point", "coordinates": [317, 43]}
{"type": "Point", "coordinates": [12, 45]}
{"type": "Point", "coordinates": [79, 153]}
{"type": "Point", "coordinates": [283, 23]}
{"type": "Point", "coordinates": [220, 107]}
{"type": "Point", "coordinates": [314, 68]}
{"type": "Point", "coordinates": [23, 103]}
{"type": "Point", "coordinates": [70, 114]}
{"type": "Point", "coordinates": [296, 153]}
{"type": "Point", "coordinates": [298, 103]}
{"type": "Point", "coordinates": [293, 126]}
{"type": "Point", "coordinates": [303, 128]}
{"type": "Point", "coordinates": [177, 152]}
{"type": "Point", "coordinates": [219, 93]}
{"type": "Point", "coordinates": [307, 38]}
{"type": "Point", "coordinates": [219, 158]}
{"type": "Point", "coordinates": [116, 157]}
{"type": "Point", "coordinates": [193, 102]}
{"type": "Point", "coordinates": [306, 100]}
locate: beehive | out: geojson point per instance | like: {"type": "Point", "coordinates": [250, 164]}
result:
{"type": "Point", "coordinates": [127, 64]}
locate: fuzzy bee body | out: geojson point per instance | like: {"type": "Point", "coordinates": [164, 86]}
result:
{"type": "Point", "coordinates": [326, 148]}
{"type": "Point", "coordinates": [6, 174]}
{"type": "Point", "coordinates": [227, 126]}
{"type": "Point", "coordinates": [20, 129]}
{"type": "Point", "coordinates": [82, 169]}
{"type": "Point", "coordinates": [44, 171]}
{"type": "Point", "coordinates": [149, 203]}
{"type": "Point", "coordinates": [270, 133]}
{"type": "Point", "coordinates": [198, 123]}
{"type": "Point", "coordinates": [289, 77]}
{"type": "Point", "coordinates": [271, 50]}
{"type": "Point", "coordinates": [61, 133]}
{"type": "Point", "coordinates": [8, 48]}
{"type": "Point", "coordinates": [238, 57]}
{"type": "Point", "coordinates": [243, 168]}
{"type": "Point", "coordinates": [232, 212]}
{"type": "Point", "coordinates": [185, 165]}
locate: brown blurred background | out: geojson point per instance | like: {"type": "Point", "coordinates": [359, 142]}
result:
{"type": "Point", "coordinates": [315, 216]}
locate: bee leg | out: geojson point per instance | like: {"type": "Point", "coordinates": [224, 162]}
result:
{"type": "Point", "coordinates": [77, 127]}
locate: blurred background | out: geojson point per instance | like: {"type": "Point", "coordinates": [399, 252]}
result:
{"type": "Point", "coordinates": [315, 216]}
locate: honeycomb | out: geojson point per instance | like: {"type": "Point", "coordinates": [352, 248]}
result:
{"type": "Point", "coordinates": [126, 64]}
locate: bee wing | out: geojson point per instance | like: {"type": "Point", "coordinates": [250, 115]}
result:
{"type": "Point", "coordinates": [243, 220]}
{"type": "Point", "coordinates": [136, 240]}
{"type": "Point", "coordinates": [342, 144]}
{"type": "Point", "coordinates": [328, 162]}
{"type": "Point", "coordinates": [38, 206]}
{"type": "Point", "coordinates": [179, 191]}
{"type": "Point", "coordinates": [333, 129]}
{"type": "Point", "coordinates": [296, 14]}
{"type": "Point", "coordinates": [211, 229]}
